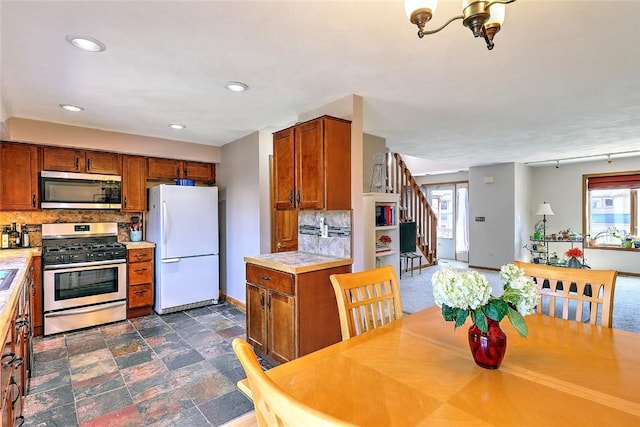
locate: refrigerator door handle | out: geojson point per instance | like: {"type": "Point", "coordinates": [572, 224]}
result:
{"type": "Point", "coordinates": [169, 260]}
{"type": "Point", "coordinates": [165, 220]}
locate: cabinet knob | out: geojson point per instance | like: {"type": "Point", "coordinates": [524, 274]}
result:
{"type": "Point", "coordinates": [125, 202]}
{"type": "Point", "coordinates": [140, 292]}
{"type": "Point", "coordinates": [298, 197]}
{"type": "Point", "coordinates": [139, 270]}
{"type": "Point", "coordinates": [261, 300]}
{"type": "Point", "coordinates": [77, 163]}
{"type": "Point", "coordinates": [279, 245]}
{"type": "Point", "coordinates": [88, 164]}
{"type": "Point", "coordinates": [265, 278]}
{"type": "Point", "coordinates": [291, 197]}
{"type": "Point", "coordinates": [33, 201]}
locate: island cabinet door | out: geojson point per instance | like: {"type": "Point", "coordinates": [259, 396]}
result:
{"type": "Point", "coordinates": [256, 318]}
{"type": "Point", "coordinates": [281, 339]}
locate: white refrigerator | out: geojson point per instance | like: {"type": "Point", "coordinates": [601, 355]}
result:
{"type": "Point", "coordinates": [183, 223]}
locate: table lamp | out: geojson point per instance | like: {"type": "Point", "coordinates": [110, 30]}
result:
{"type": "Point", "coordinates": [544, 209]}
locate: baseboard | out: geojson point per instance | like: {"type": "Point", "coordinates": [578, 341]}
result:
{"type": "Point", "coordinates": [483, 268]}
{"type": "Point", "coordinates": [242, 306]}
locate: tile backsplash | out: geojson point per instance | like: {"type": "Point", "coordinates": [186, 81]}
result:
{"type": "Point", "coordinates": [35, 219]}
{"type": "Point", "coordinates": [338, 241]}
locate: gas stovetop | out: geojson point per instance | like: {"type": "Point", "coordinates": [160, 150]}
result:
{"type": "Point", "coordinates": [81, 243]}
{"type": "Point", "coordinates": [70, 252]}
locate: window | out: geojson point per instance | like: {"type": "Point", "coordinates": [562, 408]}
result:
{"type": "Point", "coordinates": [441, 201]}
{"type": "Point", "coordinates": [612, 202]}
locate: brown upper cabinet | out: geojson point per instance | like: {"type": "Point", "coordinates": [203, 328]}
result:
{"type": "Point", "coordinates": [312, 165]}
{"type": "Point", "coordinates": [134, 183]}
{"type": "Point", "coordinates": [159, 168]}
{"type": "Point", "coordinates": [19, 177]}
{"type": "Point", "coordinates": [73, 160]}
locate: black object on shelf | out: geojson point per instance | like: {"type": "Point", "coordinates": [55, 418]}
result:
{"type": "Point", "coordinates": [408, 235]}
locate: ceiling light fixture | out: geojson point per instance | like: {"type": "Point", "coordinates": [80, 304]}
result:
{"type": "Point", "coordinates": [72, 108]}
{"type": "Point", "coordinates": [86, 43]}
{"type": "Point", "coordinates": [177, 126]}
{"type": "Point", "coordinates": [484, 18]}
{"type": "Point", "coordinates": [236, 86]}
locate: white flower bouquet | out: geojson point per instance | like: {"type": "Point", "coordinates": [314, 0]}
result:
{"type": "Point", "coordinates": [467, 293]}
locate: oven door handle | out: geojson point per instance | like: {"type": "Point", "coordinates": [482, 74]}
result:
{"type": "Point", "coordinates": [85, 310]}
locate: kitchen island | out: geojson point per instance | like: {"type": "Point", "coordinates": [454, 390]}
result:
{"type": "Point", "coordinates": [291, 306]}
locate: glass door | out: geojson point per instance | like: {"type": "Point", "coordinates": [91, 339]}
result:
{"type": "Point", "coordinates": [450, 202]}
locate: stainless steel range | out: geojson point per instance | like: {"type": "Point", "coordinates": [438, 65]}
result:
{"type": "Point", "coordinates": [85, 276]}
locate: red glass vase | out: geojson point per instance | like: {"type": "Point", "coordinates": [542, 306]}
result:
{"type": "Point", "coordinates": [488, 348]}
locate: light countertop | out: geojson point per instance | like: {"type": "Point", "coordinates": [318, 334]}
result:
{"type": "Point", "coordinates": [9, 259]}
{"type": "Point", "coordinates": [139, 245]}
{"type": "Point", "coordinates": [296, 262]}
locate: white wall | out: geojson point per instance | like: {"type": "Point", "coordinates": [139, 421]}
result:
{"type": "Point", "coordinates": [238, 177]}
{"type": "Point", "coordinates": [442, 178]}
{"type": "Point", "coordinates": [562, 188]}
{"type": "Point", "coordinates": [371, 145]}
{"type": "Point", "coordinates": [47, 133]}
{"type": "Point", "coordinates": [523, 222]}
{"type": "Point", "coordinates": [265, 151]}
{"type": "Point", "coordinates": [492, 241]}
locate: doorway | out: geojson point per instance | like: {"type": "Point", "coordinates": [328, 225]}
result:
{"type": "Point", "coordinates": [450, 202]}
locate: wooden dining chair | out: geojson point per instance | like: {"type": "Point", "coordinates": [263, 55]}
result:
{"type": "Point", "coordinates": [366, 299]}
{"type": "Point", "coordinates": [578, 292]}
{"type": "Point", "coordinates": [274, 407]}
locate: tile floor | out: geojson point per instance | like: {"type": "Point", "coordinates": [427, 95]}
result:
{"type": "Point", "coordinates": [175, 369]}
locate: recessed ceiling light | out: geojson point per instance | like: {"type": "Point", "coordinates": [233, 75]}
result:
{"type": "Point", "coordinates": [86, 43]}
{"type": "Point", "coordinates": [177, 126]}
{"type": "Point", "coordinates": [68, 107]}
{"type": "Point", "coordinates": [236, 86]}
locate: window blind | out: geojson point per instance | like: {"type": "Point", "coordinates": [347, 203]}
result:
{"type": "Point", "coordinates": [614, 181]}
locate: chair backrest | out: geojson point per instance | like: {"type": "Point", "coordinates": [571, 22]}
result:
{"type": "Point", "coordinates": [589, 291]}
{"type": "Point", "coordinates": [273, 406]}
{"type": "Point", "coordinates": [367, 299]}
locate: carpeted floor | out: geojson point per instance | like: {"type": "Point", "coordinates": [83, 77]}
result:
{"type": "Point", "coordinates": [417, 293]}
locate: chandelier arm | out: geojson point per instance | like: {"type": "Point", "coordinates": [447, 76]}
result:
{"type": "Point", "coordinates": [423, 32]}
{"type": "Point", "coordinates": [499, 2]}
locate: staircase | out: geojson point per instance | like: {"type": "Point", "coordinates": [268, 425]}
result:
{"type": "Point", "coordinates": [413, 206]}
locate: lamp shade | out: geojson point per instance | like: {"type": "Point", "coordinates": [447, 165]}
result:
{"type": "Point", "coordinates": [497, 11]}
{"type": "Point", "coordinates": [544, 209]}
{"type": "Point", "coordinates": [412, 5]}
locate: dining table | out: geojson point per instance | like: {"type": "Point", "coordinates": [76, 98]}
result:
{"type": "Point", "coordinates": [419, 371]}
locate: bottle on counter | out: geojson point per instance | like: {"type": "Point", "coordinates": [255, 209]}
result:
{"type": "Point", "coordinates": [13, 236]}
{"type": "Point", "coordinates": [18, 235]}
{"type": "Point", "coordinates": [25, 236]}
{"type": "Point", "coordinates": [5, 237]}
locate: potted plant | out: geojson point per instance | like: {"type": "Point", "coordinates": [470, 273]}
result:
{"type": "Point", "coordinates": [538, 230]}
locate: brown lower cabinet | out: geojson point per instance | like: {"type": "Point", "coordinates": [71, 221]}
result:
{"type": "Point", "coordinates": [15, 361]}
{"type": "Point", "coordinates": [139, 282]}
{"type": "Point", "coordinates": [290, 315]}
{"type": "Point", "coordinates": [36, 297]}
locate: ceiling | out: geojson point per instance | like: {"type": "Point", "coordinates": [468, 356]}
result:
{"type": "Point", "coordinates": [562, 81]}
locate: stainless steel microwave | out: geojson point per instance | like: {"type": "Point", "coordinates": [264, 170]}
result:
{"type": "Point", "coordinates": [66, 190]}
